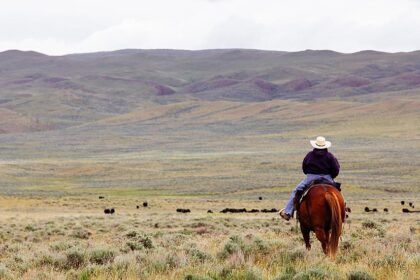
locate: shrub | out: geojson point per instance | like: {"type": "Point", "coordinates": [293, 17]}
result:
{"type": "Point", "coordinates": [45, 260]}
{"type": "Point", "coordinates": [4, 272]}
{"type": "Point", "coordinates": [134, 245]}
{"type": "Point", "coordinates": [131, 234]}
{"type": "Point", "coordinates": [359, 275]}
{"type": "Point", "coordinates": [236, 244]}
{"type": "Point", "coordinates": [80, 233]}
{"type": "Point", "coordinates": [173, 260]}
{"type": "Point", "coordinates": [260, 246]}
{"type": "Point", "coordinates": [85, 275]}
{"type": "Point", "coordinates": [162, 260]}
{"type": "Point", "coordinates": [313, 273]}
{"type": "Point", "coordinates": [101, 256]}
{"type": "Point", "coordinates": [370, 224]}
{"type": "Point", "coordinates": [146, 241]}
{"type": "Point", "coordinates": [221, 273]}
{"type": "Point", "coordinates": [139, 241]}
{"type": "Point", "coordinates": [252, 273]}
{"type": "Point", "coordinates": [72, 275]}
{"type": "Point", "coordinates": [375, 229]}
{"type": "Point", "coordinates": [74, 259]}
{"type": "Point", "coordinates": [61, 246]}
{"type": "Point", "coordinates": [293, 255]}
{"type": "Point", "coordinates": [388, 261]}
{"type": "Point", "coordinates": [288, 274]}
{"type": "Point", "coordinates": [123, 262]}
{"type": "Point", "coordinates": [346, 245]}
{"type": "Point", "coordinates": [197, 277]}
{"type": "Point", "coordinates": [198, 255]}
{"type": "Point", "coordinates": [30, 228]}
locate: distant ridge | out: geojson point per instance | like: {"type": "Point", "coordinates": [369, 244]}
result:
{"type": "Point", "coordinates": [20, 53]}
{"type": "Point", "coordinates": [75, 89]}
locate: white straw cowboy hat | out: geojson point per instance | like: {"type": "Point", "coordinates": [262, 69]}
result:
{"type": "Point", "coordinates": [320, 143]}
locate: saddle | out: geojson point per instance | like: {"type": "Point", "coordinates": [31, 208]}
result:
{"type": "Point", "coordinates": [300, 195]}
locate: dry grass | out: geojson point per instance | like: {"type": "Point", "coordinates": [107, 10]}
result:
{"type": "Point", "coordinates": [70, 238]}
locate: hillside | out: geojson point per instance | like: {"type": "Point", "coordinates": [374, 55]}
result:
{"type": "Point", "coordinates": [118, 113]}
{"type": "Point", "coordinates": [87, 87]}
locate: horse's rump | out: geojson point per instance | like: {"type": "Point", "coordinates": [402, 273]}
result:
{"type": "Point", "coordinates": [322, 211]}
{"type": "Point", "coordinates": [300, 195]}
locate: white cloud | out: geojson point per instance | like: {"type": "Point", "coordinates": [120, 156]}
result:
{"type": "Point", "coordinates": [59, 27]}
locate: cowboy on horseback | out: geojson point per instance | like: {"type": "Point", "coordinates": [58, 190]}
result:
{"type": "Point", "coordinates": [319, 164]}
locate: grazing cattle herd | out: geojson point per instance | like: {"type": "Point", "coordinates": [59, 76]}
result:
{"type": "Point", "coordinates": [386, 210]}
{"type": "Point", "coordinates": [182, 210]}
{"type": "Point", "coordinates": [111, 211]}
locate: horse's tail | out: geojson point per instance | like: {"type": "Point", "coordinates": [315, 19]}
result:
{"type": "Point", "coordinates": [336, 222]}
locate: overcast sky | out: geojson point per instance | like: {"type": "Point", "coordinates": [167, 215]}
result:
{"type": "Point", "coordinates": [62, 26]}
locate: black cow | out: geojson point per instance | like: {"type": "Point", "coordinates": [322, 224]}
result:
{"type": "Point", "coordinates": [209, 211]}
{"type": "Point", "coordinates": [182, 210]}
{"type": "Point", "coordinates": [101, 197]}
{"type": "Point", "coordinates": [367, 209]}
{"type": "Point", "coordinates": [260, 198]}
{"type": "Point", "coordinates": [233, 210]}
{"type": "Point", "coordinates": [253, 211]}
{"type": "Point", "coordinates": [145, 204]}
{"type": "Point", "coordinates": [272, 210]}
{"type": "Point", "coordinates": [138, 207]}
{"type": "Point", "coordinates": [385, 209]}
{"type": "Point", "coordinates": [374, 210]}
{"type": "Point", "coordinates": [402, 202]}
{"type": "Point", "coordinates": [109, 211]}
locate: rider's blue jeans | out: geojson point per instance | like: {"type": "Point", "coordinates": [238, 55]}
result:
{"type": "Point", "coordinates": [305, 182]}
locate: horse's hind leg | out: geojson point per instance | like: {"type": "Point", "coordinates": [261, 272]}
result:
{"type": "Point", "coordinates": [323, 238]}
{"type": "Point", "coordinates": [305, 232]}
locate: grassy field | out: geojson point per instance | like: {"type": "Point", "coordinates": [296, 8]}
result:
{"type": "Point", "coordinates": [69, 237]}
{"type": "Point", "coordinates": [79, 127]}
{"type": "Point", "coordinates": [53, 225]}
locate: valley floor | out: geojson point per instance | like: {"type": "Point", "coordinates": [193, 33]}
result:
{"type": "Point", "coordinates": [69, 237]}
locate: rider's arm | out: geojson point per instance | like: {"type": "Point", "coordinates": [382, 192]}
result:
{"type": "Point", "coordinates": [335, 166]}
{"type": "Point", "coordinates": [305, 164]}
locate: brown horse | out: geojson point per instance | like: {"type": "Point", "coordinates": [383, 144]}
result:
{"type": "Point", "coordinates": [323, 212]}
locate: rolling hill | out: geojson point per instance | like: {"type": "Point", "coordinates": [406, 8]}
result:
{"type": "Point", "coordinates": [245, 107]}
